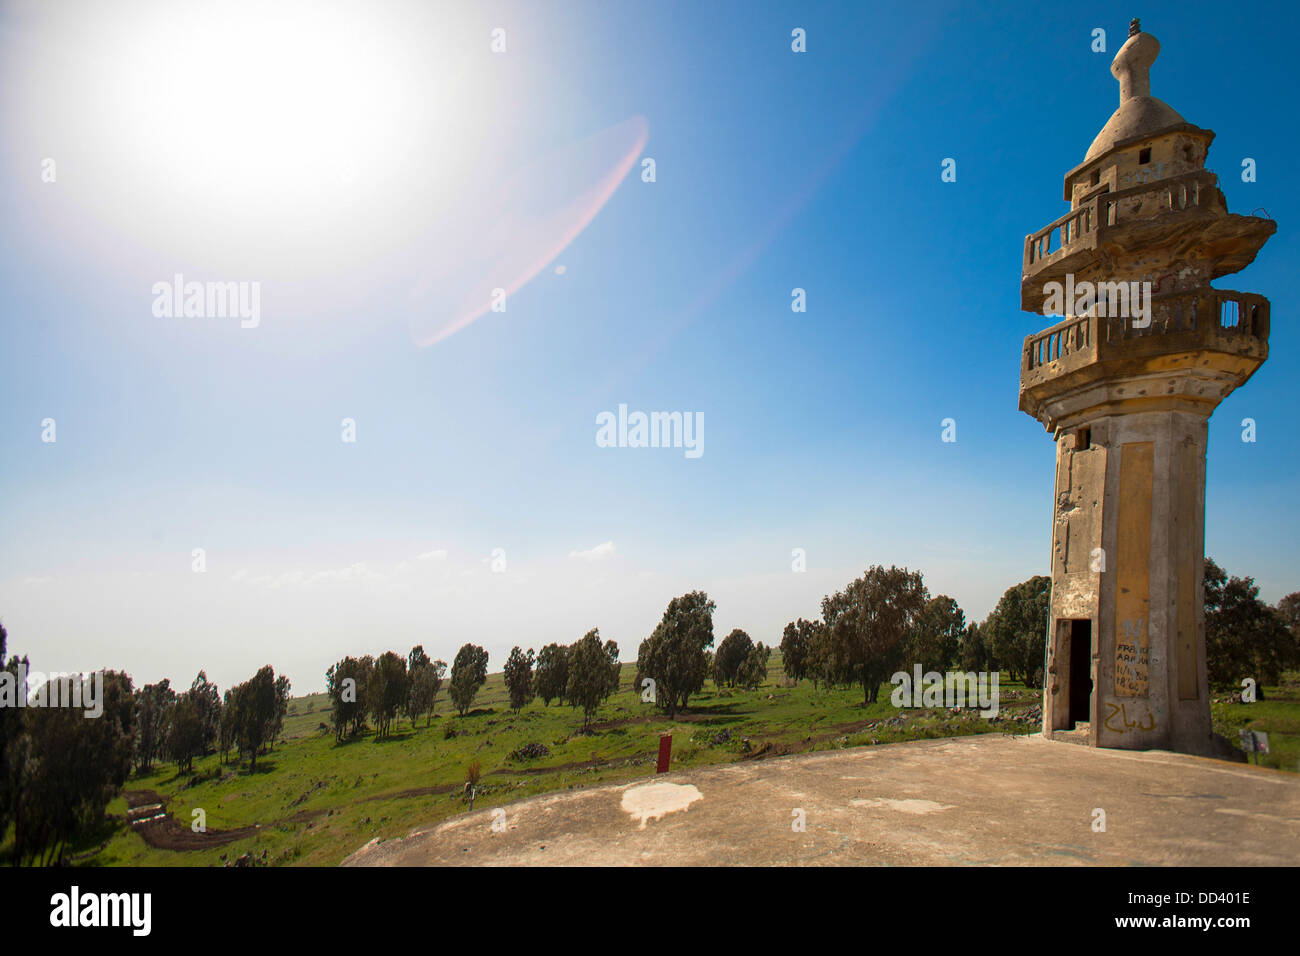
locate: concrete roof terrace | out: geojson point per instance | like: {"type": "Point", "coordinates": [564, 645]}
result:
{"type": "Point", "coordinates": [989, 799]}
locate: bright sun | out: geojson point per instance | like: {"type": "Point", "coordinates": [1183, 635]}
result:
{"type": "Point", "coordinates": [295, 134]}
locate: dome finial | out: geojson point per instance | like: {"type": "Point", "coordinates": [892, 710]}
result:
{"type": "Point", "coordinates": [1132, 66]}
{"type": "Point", "coordinates": [1134, 27]}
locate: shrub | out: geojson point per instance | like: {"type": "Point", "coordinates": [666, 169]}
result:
{"type": "Point", "coordinates": [530, 752]}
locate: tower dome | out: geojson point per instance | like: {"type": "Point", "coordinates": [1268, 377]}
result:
{"type": "Point", "coordinates": [1139, 113]}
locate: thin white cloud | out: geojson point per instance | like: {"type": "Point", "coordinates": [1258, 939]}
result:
{"type": "Point", "coordinates": [353, 572]}
{"type": "Point", "coordinates": [357, 571]}
{"type": "Point", "coordinates": [597, 553]}
{"type": "Point", "coordinates": [438, 555]}
{"type": "Point", "coordinates": [271, 580]}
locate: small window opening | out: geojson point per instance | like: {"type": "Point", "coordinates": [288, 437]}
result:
{"type": "Point", "coordinates": [1096, 177]}
{"type": "Point", "coordinates": [1083, 439]}
{"type": "Point", "coordinates": [1144, 156]}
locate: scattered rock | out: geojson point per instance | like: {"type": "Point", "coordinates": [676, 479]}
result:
{"type": "Point", "coordinates": [531, 751]}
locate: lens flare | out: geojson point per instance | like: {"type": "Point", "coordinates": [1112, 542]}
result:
{"type": "Point", "coordinates": [505, 234]}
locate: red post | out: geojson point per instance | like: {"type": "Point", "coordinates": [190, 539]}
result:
{"type": "Point", "coordinates": [665, 752]}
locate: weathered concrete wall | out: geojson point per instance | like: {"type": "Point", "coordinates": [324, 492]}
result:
{"type": "Point", "coordinates": [1171, 155]}
{"type": "Point", "coordinates": [1076, 560]}
{"type": "Point", "coordinates": [1138, 492]}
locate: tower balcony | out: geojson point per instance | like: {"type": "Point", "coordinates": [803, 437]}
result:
{"type": "Point", "coordinates": [1199, 346]}
{"type": "Point", "coordinates": [1080, 228]}
{"type": "Point", "coordinates": [1141, 218]}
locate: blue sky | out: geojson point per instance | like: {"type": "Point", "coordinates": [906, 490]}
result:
{"type": "Point", "coordinates": [354, 161]}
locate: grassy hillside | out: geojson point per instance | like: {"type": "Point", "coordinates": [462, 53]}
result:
{"type": "Point", "coordinates": [1278, 715]}
{"type": "Point", "coordinates": [314, 800]}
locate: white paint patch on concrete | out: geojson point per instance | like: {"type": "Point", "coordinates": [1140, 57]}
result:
{"type": "Point", "coordinates": [904, 806]}
{"type": "Point", "coordinates": [655, 800]}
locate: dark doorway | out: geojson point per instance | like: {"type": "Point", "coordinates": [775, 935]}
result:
{"type": "Point", "coordinates": [1080, 671]}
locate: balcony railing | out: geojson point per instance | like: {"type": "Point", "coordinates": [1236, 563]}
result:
{"type": "Point", "coordinates": [1066, 338]}
{"type": "Point", "coordinates": [1081, 340]}
{"type": "Point", "coordinates": [1232, 312]}
{"type": "Point", "coordinates": [1107, 210]}
{"type": "Point", "coordinates": [1064, 232]}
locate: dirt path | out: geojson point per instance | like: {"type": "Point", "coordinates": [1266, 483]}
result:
{"type": "Point", "coordinates": [147, 815]}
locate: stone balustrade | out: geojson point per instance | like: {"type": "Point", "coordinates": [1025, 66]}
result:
{"type": "Point", "coordinates": [1082, 228]}
{"type": "Point", "coordinates": [1219, 319]}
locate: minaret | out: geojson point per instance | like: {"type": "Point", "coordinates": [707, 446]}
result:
{"type": "Point", "coordinates": [1126, 383]}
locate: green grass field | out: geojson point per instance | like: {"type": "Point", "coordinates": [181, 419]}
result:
{"type": "Point", "coordinates": [1278, 715]}
{"type": "Point", "coordinates": [313, 800]}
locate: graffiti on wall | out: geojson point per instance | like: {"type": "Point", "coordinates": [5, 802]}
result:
{"type": "Point", "coordinates": [1124, 724]}
{"type": "Point", "coordinates": [1133, 570]}
{"type": "Point", "coordinates": [1132, 659]}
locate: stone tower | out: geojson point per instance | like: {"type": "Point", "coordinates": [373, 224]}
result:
{"type": "Point", "coordinates": [1126, 384]}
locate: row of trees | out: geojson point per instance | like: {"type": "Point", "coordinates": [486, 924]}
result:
{"type": "Point", "coordinates": [576, 674]}
{"type": "Point", "coordinates": [377, 689]}
{"type": "Point", "coordinates": [381, 688]}
{"type": "Point", "coordinates": [583, 674]}
{"type": "Point", "coordinates": [59, 768]}
{"type": "Point", "coordinates": [252, 714]}
{"type": "Point", "coordinates": [175, 726]}
{"type": "Point", "coordinates": [199, 721]}
{"type": "Point", "coordinates": [866, 631]}
{"type": "Point", "coordinates": [882, 620]}
{"type": "Point", "coordinates": [885, 621]}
